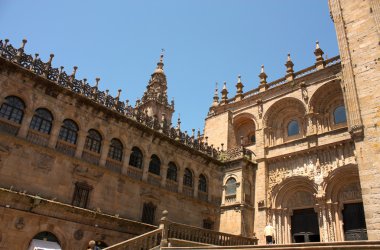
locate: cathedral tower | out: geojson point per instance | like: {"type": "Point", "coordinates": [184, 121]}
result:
{"type": "Point", "coordinates": [155, 99]}
{"type": "Point", "coordinates": [357, 25]}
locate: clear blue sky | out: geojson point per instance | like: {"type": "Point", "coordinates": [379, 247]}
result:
{"type": "Point", "coordinates": [205, 42]}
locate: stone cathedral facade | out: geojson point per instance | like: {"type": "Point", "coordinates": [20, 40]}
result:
{"type": "Point", "coordinates": [301, 152]}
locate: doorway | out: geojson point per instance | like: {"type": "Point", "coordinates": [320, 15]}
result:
{"type": "Point", "coordinates": [305, 226]}
{"type": "Point", "coordinates": [354, 222]}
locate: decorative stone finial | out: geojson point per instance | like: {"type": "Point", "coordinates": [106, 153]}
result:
{"type": "Point", "coordinates": [24, 41]}
{"type": "Point", "coordinates": [179, 121]}
{"type": "Point", "coordinates": [51, 58]}
{"type": "Point", "coordinates": [239, 89]}
{"type": "Point", "coordinates": [289, 69]}
{"type": "Point", "coordinates": [216, 96]}
{"type": "Point", "coordinates": [224, 94]}
{"type": "Point", "coordinates": [97, 82]}
{"type": "Point", "coordinates": [160, 64]}
{"type": "Point", "coordinates": [118, 93]}
{"type": "Point", "coordinates": [318, 52]}
{"type": "Point", "coordinates": [263, 79]}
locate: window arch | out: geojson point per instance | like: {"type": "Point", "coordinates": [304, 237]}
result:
{"type": "Point", "coordinates": [136, 157]}
{"type": "Point", "coordinates": [231, 187]}
{"type": "Point", "coordinates": [116, 150]}
{"type": "Point", "coordinates": [154, 165]}
{"type": "Point", "coordinates": [293, 128]}
{"type": "Point", "coordinates": [42, 121]}
{"type": "Point", "coordinates": [93, 141]}
{"type": "Point", "coordinates": [43, 239]}
{"type": "Point", "coordinates": [188, 178]}
{"type": "Point", "coordinates": [12, 109]}
{"type": "Point", "coordinates": [172, 172]}
{"type": "Point", "coordinates": [340, 115]}
{"type": "Point", "coordinates": [69, 131]}
{"type": "Point", "coordinates": [202, 185]}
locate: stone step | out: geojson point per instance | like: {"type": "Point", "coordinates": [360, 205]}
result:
{"type": "Point", "coordinates": [353, 245]}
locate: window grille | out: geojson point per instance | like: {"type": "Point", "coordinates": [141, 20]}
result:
{"type": "Point", "coordinates": [81, 195]}
{"type": "Point", "coordinates": [12, 109]}
{"type": "Point", "coordinates": [136, 157]}
{"type": "Point", "coordinates": [172, 172]}
{"type": "Point", "coordinates": [188, 178]}
{"type": "Point", "coordinates": [116, 150]}
{"type": "Point", "coordinates": [93, 141]}
{"type": "Point", "coordinates": [202, 186]}
{"type": "Point", "coordinates": [69, 131]}
{"type": "Point", "coordinates": [154, 165]}
{"type": "Point", "coordinates": [42, 121]}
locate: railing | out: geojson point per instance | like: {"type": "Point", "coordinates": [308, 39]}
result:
{"type": "Point", "coordinates": [9, 127]}
{"type": "Point", "coordinates": [142, 242]}
{"type": "Point", "coordinates": [230, 198]}
{"type": "Point", "coordinates": [203, 196]}
{"type": "Point", "coordinates": [134, 173]}
{"type": "Point", "coordinates": [237, 153]}
{"type": "Point", "coordinates": [114, 165]}
{"type": "Point", "coordinates": [171, 185]}
{"type": "Point", "coordinates": [188, 191]}
{"type": "Point", "coordinates": [169, 230]}
{"type": "Point", "coordinates": [66, 147]}
{"type": "Point", "coordinates": [190, 233]}
{"type": "Point", "coordinates": [38, 137]}
{"type": "Point", "coordinates": [91, 157]}
{"type": "Point", "coordinates": [154, 179]}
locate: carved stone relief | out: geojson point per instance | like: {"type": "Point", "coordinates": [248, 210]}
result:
{"type": "Point", "coordinates": [350, 192]}
{"type": "Point", "coordinates": [300, 199]}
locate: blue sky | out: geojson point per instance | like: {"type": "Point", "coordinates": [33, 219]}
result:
{"type": "Point", "coordinates": [204, 41]}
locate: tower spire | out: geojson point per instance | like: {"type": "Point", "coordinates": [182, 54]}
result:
{"type": "Point", "coordinates": [160, 64]}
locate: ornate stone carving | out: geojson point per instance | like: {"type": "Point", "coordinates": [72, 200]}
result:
{"type": "Point", "coordinates": [350, 192]}
{"type": "Point", "coordinates": [20, 224]}
{"type": "Point", "coordinates": [78, 234]}
{"type": "Point", "coordinates": [300, 199]}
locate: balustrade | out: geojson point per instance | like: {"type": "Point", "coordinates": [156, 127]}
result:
{"type": "Point", "coordinates": [114, 165]}
{"type": "Point", "coordinates": [203, 196]}
{"type": "Point", "coordinates": [188, 191]}
{"type": "Point", "coordinates": [66, 147]}
{"type": "Point", "coordinates": [135, 173]}
{"type": "Point", "coordinates": [142, 242]}
{"type": "Point", "coordinates": [91, 157]}
{"type": "Point", "coordinates": [37, 137]}
{"type": "Point", "coordinates": [154, 179]}
{"type": "Point", "coordinates": [171, 185]}
{"type": "Point", "coordinates": [9, 127]}
{"type": "Point", "coordinates": [230, 198]}
{"type": "Point", "coordinates": [190, 233]}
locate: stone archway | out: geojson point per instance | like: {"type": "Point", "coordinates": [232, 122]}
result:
{"type": "Point", "coordinates": [290, 200]}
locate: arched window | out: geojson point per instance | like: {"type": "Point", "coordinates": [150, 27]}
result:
{"type": "Point", "coordinates": [188, 178]}
{"type": "Point", "coordinates": [44, 240]}
{"type": "Point", "coordinates": [293, 128]}
{"type": "Point", "coordinates": [340, 115]}
{"type": "Point", "coordinates": [12, 109]}
{"type": "Point", "coordinates": [116, 150]}
{"type": "Point", "coordinates": [42, 121]}
{"type": "Point", "coordinates": [231, 187]}
{"type": "Point", "coordinates": [202, 185]}
{"type": "Point", "coordinates": [69, 131]}
{"type": "Point", "coordinates": [154, 165]}
{"type": "Point", "coordinates": [93, 141]}
{"type": "Point", "coordinates": [136, 157]}
{"type": "Point", "coordinates": [172, 172]}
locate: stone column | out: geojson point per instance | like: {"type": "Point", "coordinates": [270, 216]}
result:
{"type": "Point", "coordinates": [23, 131]}
{"type": "Point", "coordinates": [164, 171]}
{"type": "Point", "coordinates": [56, 127]}
{"type": "Point", "coordinates": [180, 179]}
{"type": "Point", "coordinates": [126, 155]}
{"type": "Point", "coordinates": [196, 183]}
{"type": "Point", "coordinates": [80, 144]}
{"type": "Point", "coordinates": [145, 168]}
{"type": "Point", "coordinates": [104, 151]}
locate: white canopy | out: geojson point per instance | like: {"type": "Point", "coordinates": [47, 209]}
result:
{"type": "Point", "coordinates": [44, 245]}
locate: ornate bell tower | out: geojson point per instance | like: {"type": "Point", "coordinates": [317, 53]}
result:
{"type": "Point", "coordinates": [155, 99]}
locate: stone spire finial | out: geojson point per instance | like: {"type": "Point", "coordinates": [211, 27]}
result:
{"type": "Point", "coordinates": [160, 64]}
{"type": "Point", "coordinates": [318, 52]}
{"type": "Point", "coordinates": [289, 69]}
{"type": "Point", "coordinates": [263, 79]}
{"type": "Point", "coordinates": [97, 82]}
{"type": "Point", "coordinates": [118, 93]}
{"type": "Point", "coordinates": [48, 65]}
{"type": "Point", "coordinates": [239, 89]}
{"type": "Point", "coordinates": [216, 96]}
{"type": "Point", "coordinates": [224, 94]}
{"type": "Point", "coordinates": [179, 122]}
{"type": "Point", "coordinates": [20, 51]}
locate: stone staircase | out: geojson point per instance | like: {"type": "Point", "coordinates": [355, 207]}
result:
{"type": "Point", "coordinates": [176, 236]}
